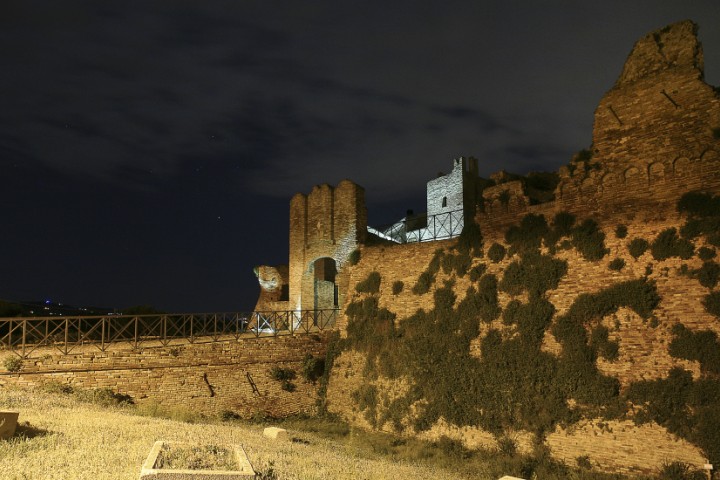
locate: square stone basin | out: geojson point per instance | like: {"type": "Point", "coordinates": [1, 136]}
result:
{"type": "Point", "coordinates": [8, 423]}
{"type": "Point", "coordinates": [150, 470]}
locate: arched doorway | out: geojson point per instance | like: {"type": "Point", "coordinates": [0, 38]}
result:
{"type": "Point", "coordinates": [325, 289]}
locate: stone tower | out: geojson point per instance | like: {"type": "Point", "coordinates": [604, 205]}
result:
{"type": "Point", "coordinates": [325, 227]}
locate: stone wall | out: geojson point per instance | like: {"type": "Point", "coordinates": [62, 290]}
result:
{"type": "Point", "coordinates": [327, 223]}
{"type": "Point", "coordinates": [201, 377]}
{"type": "Point", "coordinates": [654, 138]}
{"type": "Point", "coordinates": [618, 446]}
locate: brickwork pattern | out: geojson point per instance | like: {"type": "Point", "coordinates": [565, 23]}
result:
{"type": "Point", "coordinates": [202, 377]}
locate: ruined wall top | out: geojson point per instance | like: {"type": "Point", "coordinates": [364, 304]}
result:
{"type": "Point", "coordinates": [673, 47]}
{"type": "Point", "coordinates": [655, 137]}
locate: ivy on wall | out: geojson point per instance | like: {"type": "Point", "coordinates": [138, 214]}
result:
{"type": "Point", "coordinates": [513, 383]}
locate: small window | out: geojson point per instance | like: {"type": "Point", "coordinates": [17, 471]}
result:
{"type": "Point", "coordinates": [444, 202]}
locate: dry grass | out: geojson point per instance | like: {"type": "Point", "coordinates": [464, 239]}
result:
{"type": "Point", "coordinates": [61, 438]}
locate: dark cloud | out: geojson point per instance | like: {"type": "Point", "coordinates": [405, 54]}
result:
{"type": "Point", "coordinates": [160, 140]}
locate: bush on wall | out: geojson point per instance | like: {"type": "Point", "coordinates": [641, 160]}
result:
{"type": "Point", "coordinates": [667, 244]}
{"type": "Point", "coordinates": [712, 303]}
{"type": "Point", "coordinates": [534, 273]}
{"type": "Point", "coordinates": [370, 285]}
{"type": "Point", "coordinates": [496, 252]}
{"type": "Point", "coordinates": [637, 247]}
{"type": "Point", "coordinates": [589, 240]}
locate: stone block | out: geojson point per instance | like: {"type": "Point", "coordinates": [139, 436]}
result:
{"type": "Point", "coordinates": [8, 423]}
{"type": "Point", "coordinates": [508, 477]}
{"type": "Point", "coordinates": [275, 433]}
{"type": "Point", "coordinates": [150, 470]}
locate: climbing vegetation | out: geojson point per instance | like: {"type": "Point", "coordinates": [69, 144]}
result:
{"type": "Point", "coordinates": [637, 247]}
{"type": "Point", "coordinates": [667, 244]}
{"type": "Point", "coordinates": [370, 285]}
{"type": "Point", "coordinates": [703, 216]}
{"type": "Point", "coordinates": [711, 302]}
{"type": "Point", "coordinates": [621, 231]}
{"type": "Point", "coordinates": [589, 240]}
{"type": "Point", "coordinates": [688, 408]}
{"type": "Point", "coordinates": [616, 264]}
{"type": "Point", "coordinates": [496, 252]}
{"type": "Point", "coordinates": [533, 273]}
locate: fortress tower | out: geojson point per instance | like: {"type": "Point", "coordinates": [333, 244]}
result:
{"type": "Point", "coordinates": [325, 227]}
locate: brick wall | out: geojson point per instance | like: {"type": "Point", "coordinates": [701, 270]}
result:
{"type": "Point", "coordinates": [610, 446]}
{"type": "Point", "coordinates": [202, 377]}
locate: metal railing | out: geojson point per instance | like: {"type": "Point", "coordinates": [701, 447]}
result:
{"type": "Point", "coordinates": [24, 335]}
{"type": "Point", "coordinates": [423, 228]}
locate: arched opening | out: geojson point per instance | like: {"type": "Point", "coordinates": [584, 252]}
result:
{"type": "Point", "coordinates": [326, 291]}
{"type": "Point", "coordinates": [444, 202]}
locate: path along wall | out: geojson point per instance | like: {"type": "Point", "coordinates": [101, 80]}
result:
{"type": "Point", "coordinates": [201, 377]}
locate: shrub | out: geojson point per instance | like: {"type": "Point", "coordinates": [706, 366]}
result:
{"type": "Point", "coordinates": [370, 285]}
{"type": "Point", "coordinates": [13, 363]}
{"type": "Point", "coordinates": [600, 343]}
{"type": "Point", "coordinates": [313, 368]}
{"type": "Point", "coordinates": [680, 471]}
{"type": "Point", "coordinates": [366, 398]}
{"type": "Point", "coordinates": [285, 377]}
{"type": "Point", "coordinates": [589, 240]}
{"type": "Point", "coordinates": [706, 253]}
{"type": "Point", "coordinates": [699, 346]}
{"type": "Point", "coordinates": [397, 287]}
{"type": "Point", "coordinates": [102, 396]}
{"type": "Point", "coordinates": [354, 257]}
{"type": "Point", "coordinates": [279, 374]}
{"type": "Point", "coordinates": [477, 271]}
{"type": "Point", "coordinates": [535, 273]}
{"type": "Point", "coordinates": [712, 303]}
{"type": "Point", "coordinates": [617, 264]}
{"type": "Point", "coordinates": [637, 247]}
{"type": "Point", "coordinates": [667, 244]}
{"type": "Point", "coordinates": [507, 446]}
{"type": "Point", "coordinates": [470, 240]}
{"type": "Point", "coordinates": [563, 223]}
{"type": "Point", "coordinates": [228, 415]}
{"type": "Point", "coordinates": [424, 282]}
{"type": "Point", "coordinates": [689, 409]}
{"type": "Point", "coordinates": [528, 235]}
{"type": "Point", "coordinates": [621, 231]}
{"type": "Point", "coordinates": [698, 204]}
{"type": "Point", "coordinates": [583, 462]}
{"type": "Point", "coordinates": [461, 263]}
{"type": "Point", "coordinates": [708, 274]}
{"type": "Point", "coordinates": [496, 252]}
{"type": "Point", "coordinates": [483, 302]}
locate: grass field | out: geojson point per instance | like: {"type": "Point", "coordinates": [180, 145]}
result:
{"type": "Point", "coordinates": [63, 437]}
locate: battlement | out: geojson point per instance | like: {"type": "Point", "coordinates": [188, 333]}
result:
{"type": "Point", "coordinates": [654, 138]}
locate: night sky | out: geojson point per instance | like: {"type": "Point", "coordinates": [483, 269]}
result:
{"type": "Point", "coordinates": [149, 149]}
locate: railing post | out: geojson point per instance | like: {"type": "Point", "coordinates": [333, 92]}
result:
{"type": "Point", "coordinates": [102, 334]}
{"type": "Point", "coordinates": [136, 331]}
{"type": "Point", "coordinates": [67, 334]}
{"type": "Point", "coordinates": [24, 336]}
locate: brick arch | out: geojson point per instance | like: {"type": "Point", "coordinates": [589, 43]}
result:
{"type": "Point", "coordinates": [610, 180]}
{"type": "Point", "coordinates": [681, 166]}
{"type": "Point", "coordinates": [656, 172]}
{"type": "Point", "coordinates": [633, 176]}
